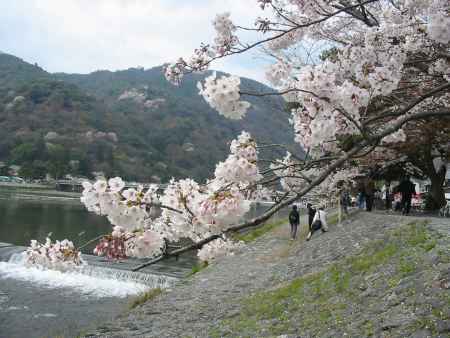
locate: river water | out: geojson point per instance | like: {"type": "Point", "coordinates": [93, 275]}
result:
{"type": "Point", "coordinates": [33, 217]}
{"type": "Point", "coordinates": [36, 303]}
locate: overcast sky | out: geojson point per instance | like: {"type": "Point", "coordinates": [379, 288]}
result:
{"type": "Point", "coordinates": [80, 36]}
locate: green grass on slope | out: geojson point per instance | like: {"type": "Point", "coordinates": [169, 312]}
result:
{"type": "Point", "coordinates": [334, 298]}
{"type": "Point", "coordinates": [197, 268]}
{"type": "Point", "coordinates": [260, 231]}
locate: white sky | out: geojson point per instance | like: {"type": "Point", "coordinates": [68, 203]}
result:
{"type": "Point", "coordinates": [80, 36]}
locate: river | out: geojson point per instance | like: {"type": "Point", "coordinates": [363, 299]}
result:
{"type": "Point", "coordinates": [33, 217]}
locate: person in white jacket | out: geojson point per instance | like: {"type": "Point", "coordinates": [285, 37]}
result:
{"type": "Point", "coordinates": [319, 223]}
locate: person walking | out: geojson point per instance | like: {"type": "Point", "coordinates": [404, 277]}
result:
{"type": "Point", "coordinates": [294, 220]}
{"type": "Point", "coordinates": [319, 223]}
{"type": "Point", "coordinates": [407, 189]}
{"type": "Point", "coordinates": [311, 213]}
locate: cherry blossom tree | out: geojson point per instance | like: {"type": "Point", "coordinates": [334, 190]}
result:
{"type": "Point", "coordinates": [386, 65]}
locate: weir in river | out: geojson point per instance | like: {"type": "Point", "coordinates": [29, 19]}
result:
{"type": "Point", "coordinates": [47, 303]}
{"type": "Point", "coordinates": [158, 276]}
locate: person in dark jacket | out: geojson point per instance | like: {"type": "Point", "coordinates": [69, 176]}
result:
{"type": "Point", "coordinates": [407, 189]}
{"type": "Point", "coordinates": [294, 220]}
{"type": "Point", "coordinates": [388, 197]}
{"type": "Point", "coordinates": [345, 200]}
{"type": "Point", "coordinates": [370, 193]}
{"type": "Point", "coordinates": [311, 214]}
{"type": "Point", "coordinates": [361, 199]}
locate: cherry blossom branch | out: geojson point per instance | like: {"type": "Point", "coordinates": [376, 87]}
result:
{"type": "Point", "coordinates": [188, 69]}
{"type": "Point", "coordinates": [279, 93]}
{"type": "Point", "coordinates": [91, 241]}
{"type": "Point", "coordinates": [414, 103]}
{"type": "Point", "coordinates": [177, 252]}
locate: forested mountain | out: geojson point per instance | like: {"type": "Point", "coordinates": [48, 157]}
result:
{"type": "Point", "coordinates": [131, 123]}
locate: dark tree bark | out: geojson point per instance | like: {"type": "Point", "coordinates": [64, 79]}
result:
{"type": "Point", "coordinates": [423, 159]}
{"type": "Point", "coordinates": [437, 189]}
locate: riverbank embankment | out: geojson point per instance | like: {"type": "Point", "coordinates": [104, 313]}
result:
{"type": "Point", "coordinates": [374, 275]}
{"type": "Point", "coordinates": [29, 191]}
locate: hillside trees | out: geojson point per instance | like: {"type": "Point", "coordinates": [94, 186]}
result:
{"type": "Point", "coordinates": [161, 129]}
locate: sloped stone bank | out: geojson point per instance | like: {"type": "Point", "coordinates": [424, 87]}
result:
{"type": "Point", "coordinates": [373, 276]}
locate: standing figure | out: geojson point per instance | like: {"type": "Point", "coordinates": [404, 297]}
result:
{"type": "Point", "coordinates": [345, 200]}
{"type": "Point", "coordinates": [388, 198]}
{"type": "Point", "coordinates": [294, 220]}
{"type": "Point", "coordinates": [370, 193]}
{"type": "Point", "coordinates": [319, 223]}
{"type": "Point", "coordinates": [311, 213]}
{"type": "Point", "coordinates": [407, 189]}
{"type": "Point", "coordinates": [361, 195]}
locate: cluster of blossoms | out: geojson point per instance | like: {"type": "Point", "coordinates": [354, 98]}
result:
{"type": "Point", "coordinates": [145, 243]}
{"type": "Point", "coordinates": [439, 27]}
{"type": "Point", "coordinates": [224, 41]}
{"type": "Point", "coordinates": [222, 209]}
{"type": "Point", "coordinates": [287, 171]}
{"type": "Point", "coordinates": [279, 73]}
{"type": "Point", "coordinates": [60, 255]}
{"type": "Point", "coordinates": [441, 67]}
{"type": "Point", "coordinates": [188, 210]}
{"type": "Point", "coordinates": [264, 3]}
{"type": "Point", "coordinates": [225, 38]}
{"type": "Point", "coordinates": [294, 179]}
{"type": "Point", "coordinates": [113, 246]}
{"type": "Point", "coordinates": [200, 211]}
{"type": "Point", "coordinates": [398, 136]}
{"type": "Point", "coordinates": [174, 72]}
{"type": "Point", "coordinates": [332, 184]}
{"type": "Point", "coordinates": [240, 166]}
{"type": "Point", "coordinates": [121, 244]}
{"type": "Point", "coordinates": [333, 95]}
{"type": "Point", "coordinates": [127, 208]}
{"type": "Point", "coordinates": [223, 95]}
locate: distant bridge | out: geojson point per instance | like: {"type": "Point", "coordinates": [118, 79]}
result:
{"type": "Point", "coordinates": [77, 186]}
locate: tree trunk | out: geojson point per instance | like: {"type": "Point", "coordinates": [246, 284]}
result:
{"type": "Point", "coordinates": [437, 191]}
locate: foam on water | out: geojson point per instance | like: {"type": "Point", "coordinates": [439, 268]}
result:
{"type": "Point", "coordinates": [84, 284]}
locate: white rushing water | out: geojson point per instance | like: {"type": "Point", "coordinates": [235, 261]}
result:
{"type": "Point", "coordinates": [93, 282]}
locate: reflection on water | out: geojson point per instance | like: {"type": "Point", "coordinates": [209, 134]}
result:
{"type": "Point", "coordinates": [24, 219]}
